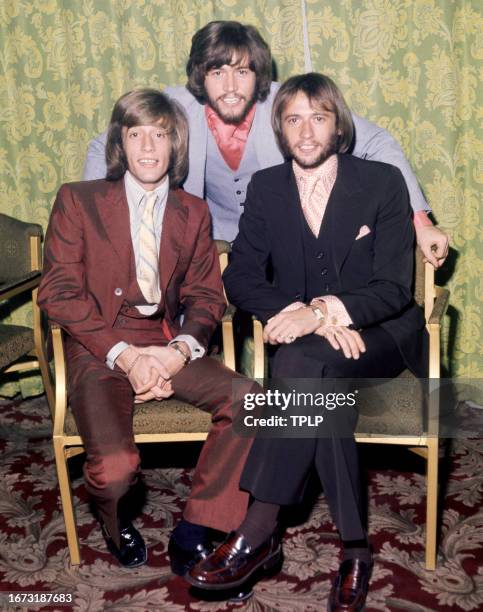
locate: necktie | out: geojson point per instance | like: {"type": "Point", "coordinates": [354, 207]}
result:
{"type": "Point", "coordinates": [148, 273]}
{"type": "Point", "coordinates": [311, 204]}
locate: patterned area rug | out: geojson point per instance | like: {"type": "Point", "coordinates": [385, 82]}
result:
{"type": "Point", "coordinates": [34, 557]}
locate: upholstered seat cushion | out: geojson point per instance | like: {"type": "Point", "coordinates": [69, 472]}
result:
{"type": "Point", "coordinates": [167, 416]}
{"type": "Point", "coordinates": [15, 341]}
{"type": "Point", "coordinates": [394, 408]}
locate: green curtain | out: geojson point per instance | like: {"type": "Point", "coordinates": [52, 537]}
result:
{"type": "Point", "coordinates": [413, 66]}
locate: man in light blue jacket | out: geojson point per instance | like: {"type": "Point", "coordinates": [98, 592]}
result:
{"type": "Point", "coordinates": [228, 102]}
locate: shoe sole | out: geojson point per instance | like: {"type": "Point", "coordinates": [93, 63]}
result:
{"type": "Point", "coordinates": [265, 565]}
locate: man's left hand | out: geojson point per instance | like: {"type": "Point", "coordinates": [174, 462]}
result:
{"type": "Point", "coordinates": [433, 243]}
{"type": "Point", "coordinates": [284, 327]}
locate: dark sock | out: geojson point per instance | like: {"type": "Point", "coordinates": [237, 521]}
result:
{"type": "Point", "coordinates": [188, 535]}
{"type": "Point", "coordinates": [357, 549]}
{"type": "Point", "coordinates": [259, 523]}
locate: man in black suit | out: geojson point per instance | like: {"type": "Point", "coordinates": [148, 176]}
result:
{"type": "Point", "coordinates": [337, 231]}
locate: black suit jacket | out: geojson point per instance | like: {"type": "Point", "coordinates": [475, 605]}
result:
{"type": "Point", "coordinates": [375, 272]}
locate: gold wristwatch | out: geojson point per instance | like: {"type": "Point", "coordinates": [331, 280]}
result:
{"type": "Point", "coordinates": [318, 314]}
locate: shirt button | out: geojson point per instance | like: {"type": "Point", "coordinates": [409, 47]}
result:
{"type": "Point", "coordinates": [238, 192]}
{"type": "Point", "coordinates": [236, 180]}
{"type": "Point", "coordinates": [323, 272]}
{"type": "Point", "coordinates": [320, 255]}
{"type": "Point", "coordinates": [118, 291]}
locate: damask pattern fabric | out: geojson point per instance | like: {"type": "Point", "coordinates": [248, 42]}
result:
{"type": "Point", "coordinates": [412, 66]}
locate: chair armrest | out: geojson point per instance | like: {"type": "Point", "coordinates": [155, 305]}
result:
{"type": "Point", "coordinates": [229, 313]}
{"type": "Point", "coordinates": [439, 306]}
{"type": "Point", "coordinates": [258, 349]}
{"type": "Point", "coordinates": [60, 379]}
{"type": "Point", "coordinates": [228, 336]}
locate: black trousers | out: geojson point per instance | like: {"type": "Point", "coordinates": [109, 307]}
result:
{"type": "Point", "coordinates": [277, 469]}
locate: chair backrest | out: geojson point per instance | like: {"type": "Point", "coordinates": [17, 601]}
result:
{"type": "Point", "coordinates": [224, 249]}
{"type": "Point", "coordinates": [17, 255]}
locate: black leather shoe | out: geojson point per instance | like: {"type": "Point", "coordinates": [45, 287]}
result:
{"type": "Point", "coordinates": [234, 562]}
{"type": "Point", "coordinates": [182, 559]}
{"type": "Point", "coordinates": [132, 550]}
{"type": "Point", "coordinates": [349, 589]}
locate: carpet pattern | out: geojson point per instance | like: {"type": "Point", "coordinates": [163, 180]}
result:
{"type": "Point", "coordinates": [34, 557]}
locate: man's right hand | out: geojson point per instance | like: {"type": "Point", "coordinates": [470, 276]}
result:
{"type": "Point", "coordinates": [143, 370]}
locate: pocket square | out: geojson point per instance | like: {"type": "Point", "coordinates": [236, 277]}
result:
{"type": "Point", "coordinates": [363, 232]}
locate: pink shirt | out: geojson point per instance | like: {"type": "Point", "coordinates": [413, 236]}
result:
{"type": "Point", "coordinates": [231, 139]}
{"type": "Point", "coordinates": [314, 188]}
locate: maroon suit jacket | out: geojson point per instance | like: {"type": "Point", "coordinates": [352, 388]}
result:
{"type": "Point", "coordinates": [87, 255]}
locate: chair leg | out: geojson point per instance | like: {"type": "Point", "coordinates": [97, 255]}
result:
{"type": "Point", "coordinates": [431, 502]}
{"type": "Point", "coordinates": [67, 502]}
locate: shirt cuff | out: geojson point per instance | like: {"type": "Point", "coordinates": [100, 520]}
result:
{"type": "Point", "coordinates": [114, 353]}
{"type": "Point", "coordinates": [421, 219]}
{"type": "Point", "coordinates": [195, 347]}
{"type": "Point", "coordinates": [336, 312]}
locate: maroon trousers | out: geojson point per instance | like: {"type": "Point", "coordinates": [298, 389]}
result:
{"type": "Point", "coordinates": [102, 401]}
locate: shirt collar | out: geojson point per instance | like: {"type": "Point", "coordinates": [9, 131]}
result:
{"type": "Point", "coordinates": [326, 170]}
{"type": "Point", "coordinates": [229, 130]}
{"type": "Point", "coordinates": [136, 193]}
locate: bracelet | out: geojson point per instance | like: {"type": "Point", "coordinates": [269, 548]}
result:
{"type": "Point", "coordinates": [177, 347]}
{"type": "Point", "coordinates": [132, 364]}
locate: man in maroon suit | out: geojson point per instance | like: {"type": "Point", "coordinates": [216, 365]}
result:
{"type": "Point", "coordinates": [132, 276]}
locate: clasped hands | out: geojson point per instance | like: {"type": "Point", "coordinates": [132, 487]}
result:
{"type": "Point", "coordinates": [150, 369]}
{"type": "Point", "coordinates": [285, 327]}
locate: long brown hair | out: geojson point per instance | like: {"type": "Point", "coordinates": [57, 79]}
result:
{"type": "Point", "coordinates": [217, 44]}
{"type": "Point", "coordinates": [322, 92]}
{"type": "Point", "coordinates": [147, 107]}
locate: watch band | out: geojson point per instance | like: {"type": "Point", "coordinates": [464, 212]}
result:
{"type": "Point", "coordinates": [184, 354]}
{"type": "Point", "coordinates": [318, 314]}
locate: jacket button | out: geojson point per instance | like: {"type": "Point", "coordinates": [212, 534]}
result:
{"type": "Point", "coordinates": [118, 291]}
{"type": "Point", "coordinates": [323, 272]}
{"type": "Point", "coordinates": [327, 287]}
{"type": "Point", "coordinates": [320, 255]}
{"type": "Point", "coordinates": [297, 296]}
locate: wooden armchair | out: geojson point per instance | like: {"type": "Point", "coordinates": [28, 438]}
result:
{"type": "Point", "coordinates": [398, 413]}
{"type": "Point", "coordinates": [166, 421]}
{"type": "Point", "coordinates": [22, 348]}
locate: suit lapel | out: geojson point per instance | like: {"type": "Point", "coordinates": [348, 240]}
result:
{"type": "Point", "coordinates": [172, 236]}
{"type": "Point", "coordinates": [286, 218]}
{"type": "Point", "coordinates": [114, 212]}
{"type": "Point", "coordinates": [346, 206]}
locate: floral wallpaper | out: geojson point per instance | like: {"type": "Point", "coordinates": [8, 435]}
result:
{"type": "Point", "coordinates": [413, 66]}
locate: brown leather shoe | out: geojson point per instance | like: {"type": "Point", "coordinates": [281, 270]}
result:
{"type": "Point", "coordinates": [349, 589]}
{"type": "Point", "coordinates": [233, 562]}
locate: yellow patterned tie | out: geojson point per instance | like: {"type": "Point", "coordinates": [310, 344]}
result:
{"type": "Point", "coordinates": [148, 274]}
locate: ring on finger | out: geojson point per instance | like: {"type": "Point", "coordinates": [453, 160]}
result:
{"type": "Point", "coordinates": [291, 337]}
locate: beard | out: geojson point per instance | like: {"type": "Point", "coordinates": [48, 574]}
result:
{"type": "Point", "coordinates": [232, 117]}
{"type": "Point", "coordinates": [331, 147]}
